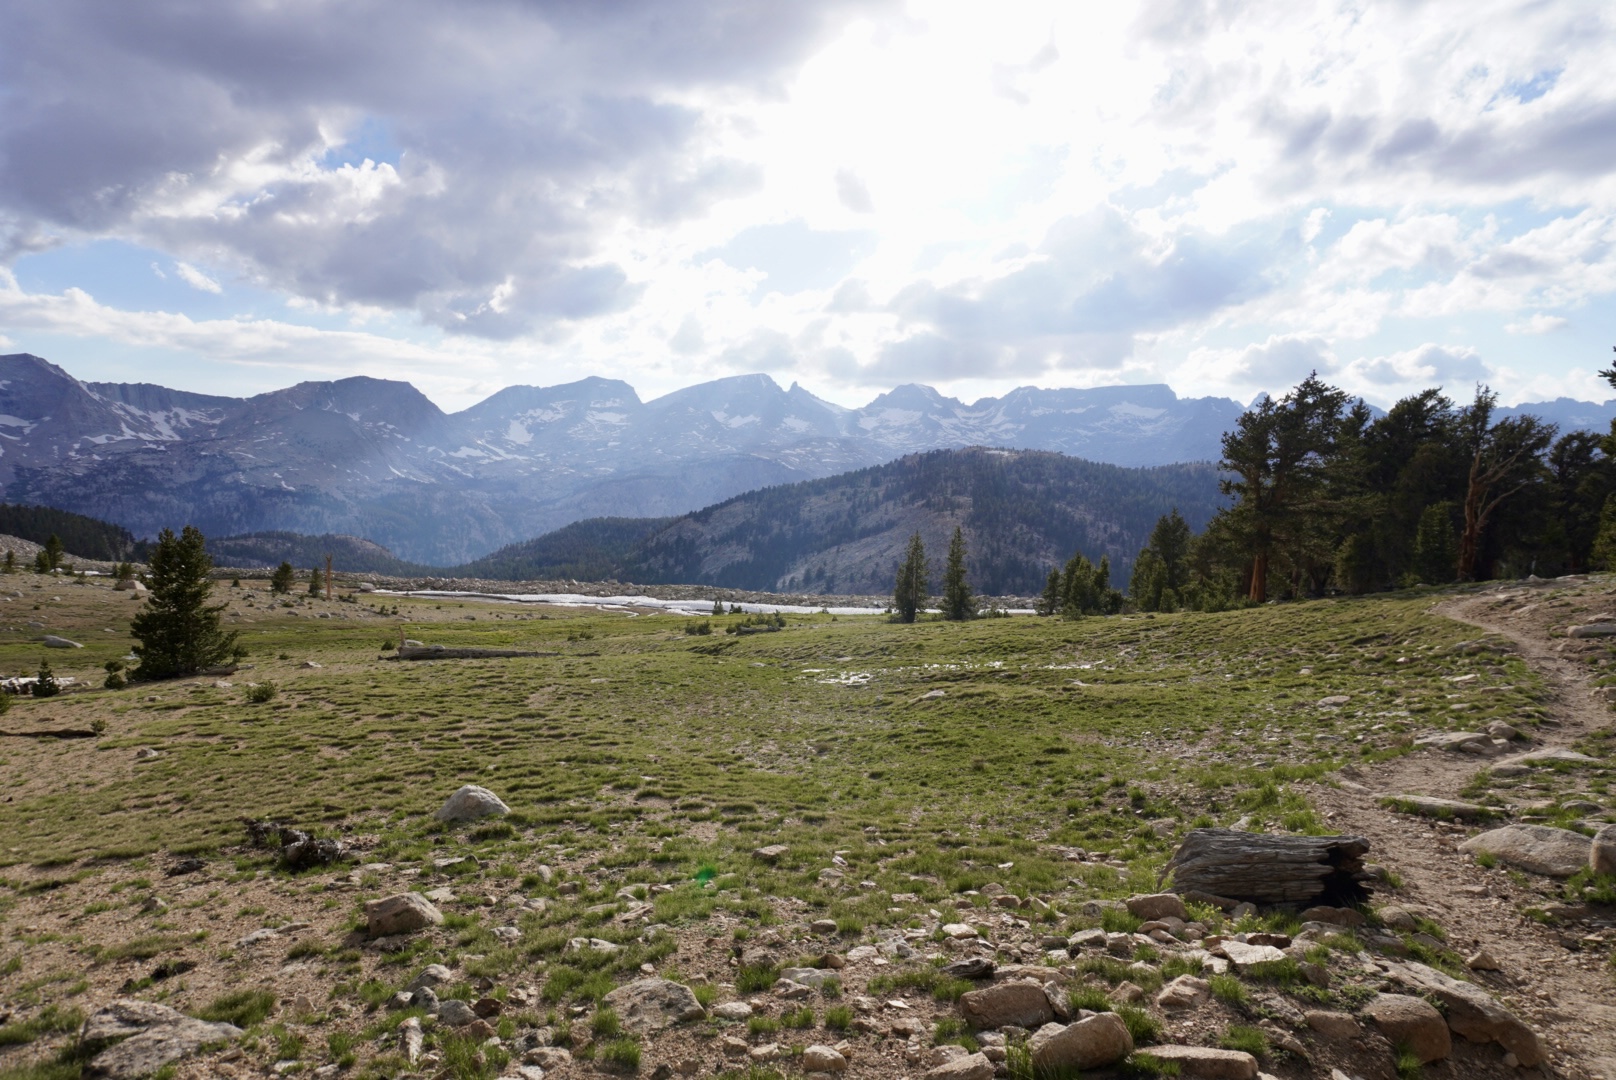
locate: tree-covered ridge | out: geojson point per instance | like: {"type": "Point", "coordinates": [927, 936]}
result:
{"type": "Point", "coordinates": [592, 550]}
{"type": "Point", "coordinates": [1330, 498]}
{"type": "Point", "coordinates": [83, 536]}
{"type": "Point", "coordinates": [1020, 511]}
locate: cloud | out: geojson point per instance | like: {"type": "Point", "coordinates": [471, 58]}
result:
{"type": "Point", "coordinates": [195, 278]}
{"type": "Point", "coordinates": [853, 193]}
{"type": "Point", "coordinates": [1537, 323]}
{"type": "Point", "coordinates": [793, 257]}
{"type": "Point", "coordinates": [522, 136]}
{"type": "Point", "coordinates": [1427, 365]}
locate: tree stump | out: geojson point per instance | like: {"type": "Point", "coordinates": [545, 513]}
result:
{"type": "Point", "coordinates": [1272, 870]}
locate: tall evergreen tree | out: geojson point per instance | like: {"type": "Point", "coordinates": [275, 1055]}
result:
{"type": "Point", "coordinates": [909, 592]}
{"type": "Point", "coordinates": [1504, 458]}
{"type": "Point", "coordinates": [1049, 603]}
{"type": "Point", "coordinates": [958, 603]}
{"type": "Point", "coordinates": [1170, 540]}
{"type": "Point", "coordinates": [282, 580]}
{"type": "Point", "coordinates": [179, 631]}
{"type": "Point", "coordinates": [315, 587]}
{"type": "Point", "coordinates": [1436, 554]}
{"type": "Point", "coordinates": [54, 551]}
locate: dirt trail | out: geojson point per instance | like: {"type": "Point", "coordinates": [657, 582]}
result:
{"type": "Point", "coordinates": [1568, 996]}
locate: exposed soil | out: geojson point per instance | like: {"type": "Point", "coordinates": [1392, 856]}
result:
{"type": "Point", "coordinates": [1563, 986]}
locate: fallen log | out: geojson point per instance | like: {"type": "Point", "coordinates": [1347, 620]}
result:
{"type": "Point", "coordinates": [444, 652]}
{"type": "Point", "coordinates": [1272, 869]}
{"type": "Point", "coordinates": [64, 733]}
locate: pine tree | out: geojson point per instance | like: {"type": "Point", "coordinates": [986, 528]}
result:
{"type": "Point", "coordinates": [1149, 581]}
{"type": "Point", "coordinates": [315, 588]}
{"type": "Point", "coordinates": [1049, 603]}
{"type": "Point", "coordinates": [958, 603]}
{"type": "Point", "coordinates": [1604, 552]}
{"type": "Point", "coordinates": [179, 632]}
{"type": "Point", "coordinates": [909, 592]}
{"type": "Point", "coordinates": [11, 561]}
{"type": "Point", "coordinates": [46, 684]}
{"type": "Point", "coordinates": [54, 551]}
{"type": "Point", "coordinates": [1436, 554]}
{"type": "Point", "coordinates": [42, 562]}
{"type": "Point", "coordinates": [283, 578]}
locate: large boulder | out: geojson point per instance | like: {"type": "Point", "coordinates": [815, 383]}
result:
{"type": "Point", "coordinates": [1008, 1004]}
{"type": "Point", "coordinates": [472, 803]}
{"type": "Point", "coordinates": [646, 1006]}
{"type": "Point", "coordinates": [1602, 851]}
{"type": "Point", "coordinates": [54, 642]}
{"type": "Point", "coordinates": [1537, 849]}
{"type": "Point", "coordinates": [1412, 1022]}
{"type": "Point", "coordinates": [1207, 1063]}
{"type": "Point", "coordinates": [153, 1036]}
{"type": "Point", "coordinates": [400, 914]}
{"type": "Point", "coordinates": [1088, 1044]}
{"type": "Point", "coordinates": [1472, 1012]}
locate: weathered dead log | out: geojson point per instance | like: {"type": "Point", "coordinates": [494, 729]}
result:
{"type": "Point", "coordinates": [61, 733]}
{"type": "Point", "coordinates": [1280, 870]}
{"type": "Point", "coordinates": [444, 652]}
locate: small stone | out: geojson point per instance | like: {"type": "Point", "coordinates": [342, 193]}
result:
{"type": "Point", "coordinates": [971, 1067]}
{"type": "Point", "coordinates": [1098, 1041]}
{"type": "Point", "coordinates": [472, 803]}
{"type": "Point", "coordinates": [400, 914]}
{"type": "Point", "coordinates": [1412, 1022]}
{"type": "Point", "coordinates": [1243, 956]}
{"type": "Point", "coordinates": [1482, 960]}
{"type": "Point", "coordinates": [732, 1010]}
{"type": "Point", "coordinates": [1333, 1025]}
{"type": "Point", "coordinates": [959, 930]}
{"type": "Point", "coordinates": [646, 1006]}
{"type": "Point", "coordinates": [1602, 852]}
{"type": "Point", "coordinates": [1207, 1063]}
{"type": "Point", "coordinates": [771, 853]}
{"type": "Point", "coordinates": [452, 1013]}
{"type": "Point", "coordinates": [822, 1059]}
{"type": "Point", "coordinates": [1021, 1004]}
{"type": "Point", "coordinates": [433, 975]}
{"type": "Point", "coordinates": [1184, 992]}
{"type": "Point", "coordinates": [1158, 906]}
{"type": "Point", "coordinates": [823, 926]}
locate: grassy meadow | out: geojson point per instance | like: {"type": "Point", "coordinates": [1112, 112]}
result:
{"type": "Point", "coordinates": [918, 762]}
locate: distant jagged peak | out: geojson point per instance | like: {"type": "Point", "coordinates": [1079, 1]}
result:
{"type": "Point", "coordinates": [591, 392]}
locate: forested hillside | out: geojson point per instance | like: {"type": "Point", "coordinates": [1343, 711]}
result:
{"type": "Point", "coordinates": [1022, 512]}
{"type": "Point", "coordinates": [350, 553]}
{"type": "Point", "coordinates": [83, 536]}
{"type": "Point", "coordinates": [592, 550]}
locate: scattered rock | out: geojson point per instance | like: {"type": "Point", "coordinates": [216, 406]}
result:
{"type": "Point", "coordinates": [1539, 849]}
{"type": "Point", "coordinates": [1018, 1004]}
{"type": "Point", "coordinates": [808, 976]}
{"type": "Point", "coordinates": [823, 1059]}
{"type": "Point", "coordinates": [410, 1039]}
{"type": "Point", "coordinates": [1334, 701]}
{"type": "Point", "coordinates": [1333, 1025]}
{"type": "Point", "coordinates": [1244, 956]}
{"type": "Point", "coordinates": [1088, 1044]}
{"type": "Point", "coordinates": [471, 803]}
{"type": "Point", "coordinates": [975, 968]}
{"type": "Point", "coordinates": [649, 1005]}
{"type": "Point", "coordinates": [455, 1013]}
{"type": "Point", "coordinates": [1158, 906]}
{"type": "Point", "coordinates": [54, 642]}
{"type": "Point", "coordinates": [1412, 1022]}
{"type": "Point", "coordinates": [400, 914]}
{"type": "Point", "coordinates": [1545, 757]}
{"type": "Point", "coordinates": [732, 1010]}
{"type": "Point", "coordinates": [1184, 992]}
{"type": "Point", "coordinates": [1472, 1012]}
{"type": "Point", "coordinates": [1207, 1063]}
{"type": "Point", "coordinates": [771, 853]}
{"type": "Point", "coordinates": [1482, 960]}
{"type": "Point", "coordinates": [1427, 806]}
{"type": "Point", "coordinates": [1591, 630]}
{"type": "Point", "coordinates": [1602, 851]}
{"type": "Point", "coordinates": [971, 1067]}
{"type": "Point", "coordinates": [153, 1036]}
{"type": "Point", "coordinates": [960, 931]}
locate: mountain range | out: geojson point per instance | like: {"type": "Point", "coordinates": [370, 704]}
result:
{"type": "Point", "coordinates": [377, 459]}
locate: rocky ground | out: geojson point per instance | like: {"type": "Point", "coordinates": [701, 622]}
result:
{"type": "Point", "coordinates": [1463, 964]}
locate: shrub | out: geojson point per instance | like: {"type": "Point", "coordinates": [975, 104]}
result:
{"type": "Point", "coordinates": [838, 1018]}
{"type": "Point", "coordinates": [1144, 1027]}
{"type": "Point", "coordinates": [243, 1008]}
{"type": "Point", "coordinates": [752, 980]}
{"type": "Point", "coordinates": [1241, 1037]}
{"type": "Point", "coordinates": [46, 685]}
{"type": "Point", "coordinates": [259, 693]}
{"type": "Point", "coordinates": [1228, 989]}
{"type": "Point", "coordinates": [621, 1054]}
{"type": "Point", "coordinates": [800, 1019]}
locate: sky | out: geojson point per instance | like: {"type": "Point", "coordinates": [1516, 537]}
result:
{"type": "Point", "coordinates": [230, 196]}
